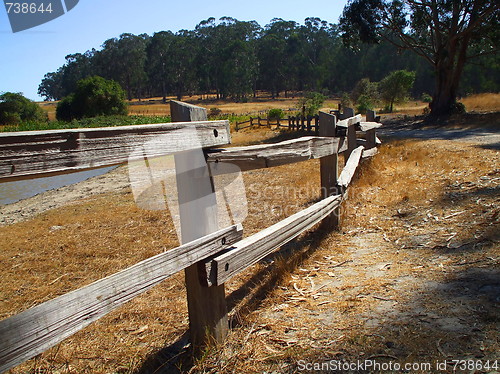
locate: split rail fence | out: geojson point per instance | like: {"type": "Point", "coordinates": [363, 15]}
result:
{"type": "Point", "coordinates": [208, 256]}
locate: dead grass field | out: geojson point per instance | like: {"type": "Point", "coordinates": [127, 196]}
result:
{"type": "Point", "coordinates": [155, 106]}
{"type": "Point", "coordinates": [412, 277]}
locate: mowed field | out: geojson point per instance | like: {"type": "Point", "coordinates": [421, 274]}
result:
{"type": "Point", "coordinates": [421, 221]}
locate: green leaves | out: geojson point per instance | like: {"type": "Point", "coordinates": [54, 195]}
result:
{"type": "Point", "coordinates": [15, 109]}
{"type": "Point", "coordinates": [396, 87]}
{"type": "Point", "coordinates": [94, 96]}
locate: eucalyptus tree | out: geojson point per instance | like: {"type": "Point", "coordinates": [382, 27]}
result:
{"type": "Point", "coordinates": [123, 59]}
{"type": "Point", "coordinates": [445, 33]}
{"type": "Point", "coordinates": [159, 62]}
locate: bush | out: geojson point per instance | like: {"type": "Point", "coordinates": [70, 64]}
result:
{"type": "Point", "coordinates": [458, 108]}
{"type": "Point", "coordinates": [364, 103]}
{"type": "Point", "coordinates": [426, 98]}
{"type": "Point", "coordinates": [214, 112]}
{"type": "Point", "coordinates": [345, 101]}
{"type": "Point", "coordinates": [94, 96]}
{"type": "Point", "coordinates": [15, 108]}
{"type": "Point", "coordinates": [64, 109]}
{"type": "Point", "coordinates": [312, 101]}
{"type": "Point", "coordinates": [365, 90]}
{"type": "Point", "coordinates": [275, 113]}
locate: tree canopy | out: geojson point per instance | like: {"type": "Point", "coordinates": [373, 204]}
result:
{"type": "Point", "coordinates": [445, 33]}
{"type": "Point", "coordinates": [234, 59]}
{"type": "Point", "coordinates": [93, 96]}
{"type": "Point", "coordinates": [396, 87]}
{"type": "Point", "coordinates": [15, 108]}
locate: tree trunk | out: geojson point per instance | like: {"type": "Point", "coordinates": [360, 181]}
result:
{"type": "Point", "coordinates": [445, 96]}
{"type": "Point", "coordinates": [449, 69]}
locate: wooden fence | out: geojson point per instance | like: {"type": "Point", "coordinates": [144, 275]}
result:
{"type": "Point", "coordinates": [208, 256]}
{"type": "Point", "coordinates": [304, 123]}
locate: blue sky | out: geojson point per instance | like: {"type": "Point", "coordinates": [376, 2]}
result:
{"type": "Point", "coordinates": [27, 55]}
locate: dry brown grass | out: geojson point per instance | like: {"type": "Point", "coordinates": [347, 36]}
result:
{"type": "Point", "coordinates": [482, 102]}
{"type": "Point", "coordinates": [283, 309]}
{"type": "Point", "coordinates": [154, 106]}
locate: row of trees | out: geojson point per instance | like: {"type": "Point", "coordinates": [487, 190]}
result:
{"type": "Point", "coordinates": [234, 59]}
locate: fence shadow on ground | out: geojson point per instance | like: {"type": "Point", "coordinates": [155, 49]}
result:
{"type": "Point", "coordinates": [242, 301]}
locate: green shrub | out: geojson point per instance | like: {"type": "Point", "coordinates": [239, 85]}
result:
{"type": "Point", "coordinates": [64, 110]}
{"type": "Point", "coordinates": [94, 96]}
{"type": "Point", "coordinates": [15, 108]}
{"type": "Point", "coordinates": [458, 108]}
{"type": "Point", "coordinates": [426, 98]}
{"type": "Point", "coordinates": [311, 102]}
{"type": "Point", "coordinates": [214, 112]}
{"type": "Point", "coordinates": [345, 101]}
{"type": "Point", "coordinates": [275, 113]}
{"type": "Point", "coordinates": [364, 103]}
{"type": "Point", "coordinates": [365, 90]}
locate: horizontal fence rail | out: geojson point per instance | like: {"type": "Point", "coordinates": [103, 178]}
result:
{"type": "Point", "coordinates": [43, 326]}
{"type": "Point", "coordinates": [269, 155]}
{"type": "Point", "coordinates": [254, 248]}
{"type": "Point", "coordinates": [31, 154]}
{"type": "Point", "coordinates": [217, 256]}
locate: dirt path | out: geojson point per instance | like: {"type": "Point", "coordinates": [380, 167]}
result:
{"type": "Point", "coordinates": [414, 279]}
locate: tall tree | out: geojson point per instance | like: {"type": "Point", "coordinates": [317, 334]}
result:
{"type": "Point", "coordinates": [159, 60]}
{"type": "Point", "coordinates": [440, 31]}
{"type": "Point", "coordinates": [123, 60]}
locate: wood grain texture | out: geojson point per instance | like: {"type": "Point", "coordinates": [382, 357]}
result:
{"type": "Point", "coordinates": [350, 168]}
{"type": "Point", "coordinates": [252, 249]}
{"type": "Point", "coordinates": [351, 142]}
{"type": "Point", "coordinates": [329, 168]}
{"type": "Point", "coordinates": [206, 305]}
{"type": "Point", "coordinates": [369, 152]}
{"type": "Point", "coordinates": [270, 155]}
{"type": "Point", "coordinates": [350, 121]}
{"type": "Point", "coordinates": [366, 126]}
{"type": "Point", "coordinates": [29, 154]}
{"type": "Point", "coordinates": [41, 327]}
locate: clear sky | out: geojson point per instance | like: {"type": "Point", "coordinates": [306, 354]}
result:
{"type": "Point", "coordinates": [28, 55]}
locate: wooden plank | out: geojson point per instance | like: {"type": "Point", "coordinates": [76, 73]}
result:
{"type": "Point", "coordinates": [270, 155]}
{"type": "Point", "coordinates": [350, 168]}
{"type": "Point", "coordinates": [371, 137]}
{"type": "Point", "coordinates": [329, 169]}
{"type": "Point", "coordinates": [29, 154]}
{"type": "Point", "coordinates": [351, 142]}
{"type": "Point", "coordinates": [369, 152]}
{"type": "Point", "coordinates": [35, 330]}
{"type": "Point", "coordinates": [366, 126]}
{"type": "Point", "coordinates": [350, 121]}
{"type": "Point", "coordinates": [254, 248]}
{"type": "Point", "coordinates": [198, 215]}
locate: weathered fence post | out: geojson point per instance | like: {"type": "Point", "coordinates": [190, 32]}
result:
{"type": "Point", "coordinates": [198, 215]}
{"type": "Point", "coordinates": [371, 134]}
{"type": "Point", "coordinates": [350, 134]}
{"type": "Point", "coordinates": [329, 169]}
